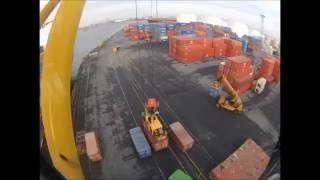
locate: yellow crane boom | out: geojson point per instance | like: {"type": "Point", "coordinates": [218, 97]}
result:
{"type": "Point", "coordinates": [55, 87]}
{"type": "Point", "coordinates": [235, 104]}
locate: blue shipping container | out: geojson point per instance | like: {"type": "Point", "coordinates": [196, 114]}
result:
{"type": "Point", "coordinates": [215, 93]}
{"type": "Point", "coordinates": [140, 142]}
{"type": "Point", "coordinates": [226, 29]}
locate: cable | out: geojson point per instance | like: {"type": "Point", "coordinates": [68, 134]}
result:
{"type": "Point", "coordinates": [136, 9]}
{"type": "Point", "coordinates": [151, 8]}
{"type": "Point", "coordinates": [157, 8]}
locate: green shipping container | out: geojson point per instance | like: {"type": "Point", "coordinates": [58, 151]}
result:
{"type": "Point", "coordinates": [179, 175]}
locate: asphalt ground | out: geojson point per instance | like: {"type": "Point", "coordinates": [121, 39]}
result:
{"type": "Point", "coordinates": [108, 98]}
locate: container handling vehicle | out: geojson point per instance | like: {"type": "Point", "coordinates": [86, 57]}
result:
{"type": "Point", "coordinates": [152, 126]}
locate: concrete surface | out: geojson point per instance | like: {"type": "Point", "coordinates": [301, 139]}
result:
{"type": "Point", "coordinates": [107, 98]}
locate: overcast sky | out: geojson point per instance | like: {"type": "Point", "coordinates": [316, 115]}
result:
{"type": "Point", "coordinates": [247, 12]}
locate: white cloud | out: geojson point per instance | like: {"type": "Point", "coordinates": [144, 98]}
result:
{"type": "Point", "coordinates": [247, 12]}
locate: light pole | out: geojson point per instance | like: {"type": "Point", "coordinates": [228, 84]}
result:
{"type": "Point", "coordinates": [262, 22]}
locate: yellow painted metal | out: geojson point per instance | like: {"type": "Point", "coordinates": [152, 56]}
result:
{"type": "Point", "coordinates": [55, 90]}
{"type": "Point", "coordinates": [47, 10]}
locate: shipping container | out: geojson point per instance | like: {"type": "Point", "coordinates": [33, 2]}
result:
{"type": "Point", "coordinates": [140, 142]}
{"type": "Point", "coordinates": [218, 42]}
{"type": "Point", "coordinates": [266, 68]}
{"type": "Point", "coordinates": [276, 71]}
{"type": "Point", "coordinates": [220, 51]}
{"type": "Point", "coordinates": [92, 146]}
{"type": "Point", "coordinates": [181, 137]}
{"type": "Point", "coordinates": [249, 161]}
{"type": "Point", "coordinates": [179, 175]}
{"type": "Point", "coordinates": [242, 84]}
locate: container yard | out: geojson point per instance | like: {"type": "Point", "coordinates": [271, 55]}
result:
{"type": "Point", "coordinates": [163, 99]}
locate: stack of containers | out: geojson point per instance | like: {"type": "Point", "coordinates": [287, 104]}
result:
{"type": "Point", "coordinates": [234, 36]}
{"type": "Point", "coordinates": [218, 32]}
{"type": "Point", "coordinates": [140, 29]}
{"type": "Point", "coordinates": [186, 49]}
{"type": "Point", "coordinates": [226, 29]}
{"type": "Point", "coordinates": [276, 71]}
{"type": "Point", "coordinates": [172, 46]}
{"type": "Point", "coordinates": [239, 72]}
{"type": "Point", "coordinates": [184, 29]}
{"type": "Point", "coordinates": [203, 30]}
{"type": "Point", "coordinates": [266, 68]}
{"type": "Point", "coordinates": [233, 47]}
{"type": "Point", "coordinates": [147, 31]}
{"type": "Point", "coordinates": [188, 33]}
{"type": "Point", "coordinates": [162, 32]}
{"type": "Point", "coordinates": [171, 30]}
{"type": "Point", "coordinates": [245, 42]}
{"type": "Point", "coordinates": [208, 50]}
{"type": "Point", "coordinates": [219, 46]}
{"type": "Point", "coordinates": [134, 34]}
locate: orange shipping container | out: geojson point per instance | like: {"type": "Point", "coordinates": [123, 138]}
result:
{"type": "Point", "coordinates": [276, 71]}
{"type": "Point", "coordinates": [171, 33]}
{"type": "Point", "coordinates": [238, 62]}
{"type": "Point", "coordinates": [206, 52]}
{"type": "Point", "coordinates": [181, 137]}
{"type": "Point", "coordinates": [189, 48]}
{"type": "Point", "coordinates": [182, 40]}
{"type": "Point", "coordinates": [249, 161]}
{"type": "Point", "coordinates": [211, 52]}
{"type": "Point", "coordinates": [266, 68]}
{"type": "Point", "coordinates": [220, 51]}
{"type": "Point", "coordinates": [220, 70]}
{"type": "Point", "coordinates": [207, 42]}
{"type": "Point", "coordinates": [92, 146]}
{"type": "Point", "coordinates": [242, 84]}
{"type": "Point", "coordinates": [218, 42]}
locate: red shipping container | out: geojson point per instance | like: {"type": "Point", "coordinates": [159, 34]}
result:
{"type": "Point", "coordinates": [188, 49]}
{"type": "Point", "coordinates": [192, 55]}
{"type": "Point", "coordinates": [266, 68]}
{"type": "Point", "coordinates": [207, 42]}
{"type": "Point", "coordinates": [232, 43]}
{"type": "Point", "coordinates": [240, 73]}
{"type": "Point", "coordinates": [220, 70]}
{"type": "Point", "coordinates": [183, 40]}
{"type": "Point", "coordinates": [206, 52]}
{"type": "Point", "coordinates": [217, 42]}
{"type": "Point", "coordinates": [211, 52]}
{"type": "Point", "coordinates": [226, 71]}
{"type": "Point", "coordinates": [242, 84]}
{"type": "Point", "coordinates": [199, 33]}
{"type": "Point", "coordinates": [249, 161]}
{"type": "Point", "coordinates": [220, 51]}
{"type": "Point", "coordinates": [276, 71]}
{"type": "Point", "coordinates": [181, 137]}
{"type": "Point", "coordinates": [172, 45]}
{"type": "Point", "coordinates": [171, 33]}
{"type": "Point", "coordinates": [238, 62]}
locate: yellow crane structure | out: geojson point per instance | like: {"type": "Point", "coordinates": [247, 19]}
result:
{"type": "Point", "coordinates": [235, 104]}
{"type": "Point", "coordinates": [55, 104]}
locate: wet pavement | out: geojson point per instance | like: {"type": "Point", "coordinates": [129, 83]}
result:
{"type": "Point", "coordinates": [108, 95]}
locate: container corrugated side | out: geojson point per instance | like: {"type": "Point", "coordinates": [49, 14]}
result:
{"type": "Point", "coordinates": [140, 142]}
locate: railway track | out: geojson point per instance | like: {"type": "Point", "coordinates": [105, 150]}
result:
{"type": "Point", "coordinates": [180, 157]}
